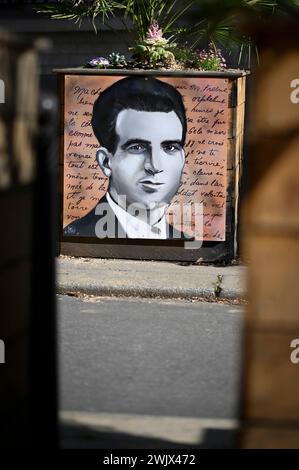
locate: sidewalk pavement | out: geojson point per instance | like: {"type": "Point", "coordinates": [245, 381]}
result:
{"type": "Point", "coordinates": [118, 277]}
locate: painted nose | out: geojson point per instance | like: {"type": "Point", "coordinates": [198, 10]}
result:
{"type": "Point", "coordinates": [152, 164]}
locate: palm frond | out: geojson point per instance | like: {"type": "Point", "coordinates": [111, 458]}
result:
{"type": "Point", "coordinates": [78, 10]}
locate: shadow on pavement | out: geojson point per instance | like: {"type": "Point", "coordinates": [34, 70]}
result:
{"type": "Point", "coordinates": [83, 437]}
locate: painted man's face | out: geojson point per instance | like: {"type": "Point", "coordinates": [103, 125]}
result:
{"type": "Point", "coordinates": [148, 162]}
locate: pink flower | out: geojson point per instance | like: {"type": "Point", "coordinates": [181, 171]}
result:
{"type": "Point", "coordinates": [98, 61]}
{"type": "Point", "coordinates": [154, 32]}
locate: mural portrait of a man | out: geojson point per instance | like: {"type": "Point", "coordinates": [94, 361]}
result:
{"type": "Point", "coordinates": [140, 124]}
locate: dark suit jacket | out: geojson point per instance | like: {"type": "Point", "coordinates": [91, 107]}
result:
{"type": "Point", "coordinates": [85, 227]}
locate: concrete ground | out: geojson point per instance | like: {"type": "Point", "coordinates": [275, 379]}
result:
{"type": "Point", "coordinates": [148, 373]}
{"type": "Point", "coordinates": [130, 278]}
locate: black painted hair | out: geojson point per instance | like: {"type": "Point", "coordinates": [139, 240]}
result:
{"type": "Point", "coordinates": [140, 94]}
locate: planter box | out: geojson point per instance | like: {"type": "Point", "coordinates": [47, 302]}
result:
{"type": "Point", "coordinates": [207, 183]}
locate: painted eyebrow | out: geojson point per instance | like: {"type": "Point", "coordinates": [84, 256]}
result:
{"type": "Point", "coordinates": [171, 142]}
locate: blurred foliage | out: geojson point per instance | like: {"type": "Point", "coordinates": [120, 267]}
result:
{"type": "Point", "coordinates": [215, 22]}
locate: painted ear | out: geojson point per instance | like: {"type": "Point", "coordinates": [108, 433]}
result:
{"type": "Point", "coordinates": [103, 156]}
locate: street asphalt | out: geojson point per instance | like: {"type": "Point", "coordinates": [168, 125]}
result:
{"type": "Point", "coordinates": [165, 370]}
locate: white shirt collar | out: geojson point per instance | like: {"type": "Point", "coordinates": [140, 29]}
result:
{"type": "Point", "coordinates": [137, 228]}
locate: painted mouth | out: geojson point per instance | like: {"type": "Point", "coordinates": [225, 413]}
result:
{"type": "Point", "coordinates": [150, 186]}
{"type": "Point", "coordinates": [151, 183]}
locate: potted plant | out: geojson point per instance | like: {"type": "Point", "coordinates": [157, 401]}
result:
{"type": "Point", "coordinates": [201, 98]}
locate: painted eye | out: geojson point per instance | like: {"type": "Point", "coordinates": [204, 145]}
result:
{"type": "Point", "coordinates": [172, 148]}
{"type": "Point", "coordinates": [136, 148]}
